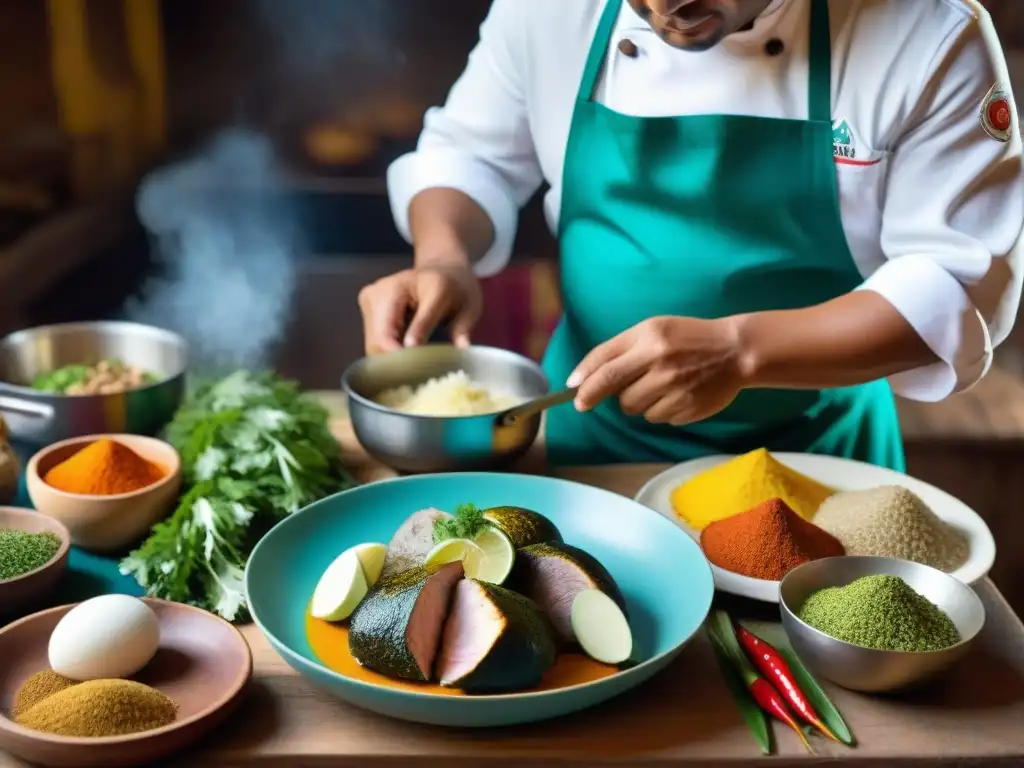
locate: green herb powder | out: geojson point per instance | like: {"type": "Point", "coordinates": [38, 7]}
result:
{"type": "Point", "coordinates": [21, 552]}
{"type": "Point", "coordinates": [881, 612]}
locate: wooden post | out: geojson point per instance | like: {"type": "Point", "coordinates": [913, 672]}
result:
{"type": "Point", "coordinates": [113, 116]}
{"type": "Point", "coordinates": [146, 50]}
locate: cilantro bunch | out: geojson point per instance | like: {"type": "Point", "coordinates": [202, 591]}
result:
{"type": "Point", "coordinates": [254, 449]}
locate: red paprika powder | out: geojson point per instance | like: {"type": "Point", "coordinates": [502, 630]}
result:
{"type": "Point", "coordinates": [766, 542]}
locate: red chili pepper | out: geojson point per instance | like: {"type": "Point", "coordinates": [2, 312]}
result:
{"type": "Point", "coordinates": [769, 700]}
{"type": "Point", "coordinates": [761, 691]}
{"type": "Point", "coordinates": [769, 662]}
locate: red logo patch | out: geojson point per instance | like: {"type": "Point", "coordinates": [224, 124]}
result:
{"type": "Point", "coordinates": [997, 114]}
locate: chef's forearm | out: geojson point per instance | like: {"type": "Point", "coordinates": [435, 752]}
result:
{"type": "Point", "coordinates": [448, 228]}
{"type": "Point", "coordinates": [854, 339]}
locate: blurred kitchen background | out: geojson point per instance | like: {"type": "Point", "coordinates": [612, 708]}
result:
{"type": "Point", "coordinates": [221, 165]}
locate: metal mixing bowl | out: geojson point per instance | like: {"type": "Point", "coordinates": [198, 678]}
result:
{"type": "Point", "coordinates": [866, 669]}
{"type": "Point", "coordinates": [411, 443]}
{"type": "Point", "coordinates": [40, 418]}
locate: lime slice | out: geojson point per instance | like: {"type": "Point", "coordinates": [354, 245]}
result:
{"type": "Point", "coordinates": [488, 557]}
{"type": "Point", "coordinates": [499, 555]}
{"type": "Point", "coordinates": [371, 557]}
{"type": "Point", "coordinates": [454, 550]}
{"type": "Point", "coordinates": [601, 628]}
{"type": "Point", "coordinates": [341, 588]}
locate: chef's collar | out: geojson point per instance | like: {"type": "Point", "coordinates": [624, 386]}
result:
{"type": "Point", "coordinates": [631, 21]}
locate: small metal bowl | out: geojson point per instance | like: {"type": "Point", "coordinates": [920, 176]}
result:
{"type": "Point", "coordinates": [866, 669]}
{"type": "Point", "coordinates": [411, 443]}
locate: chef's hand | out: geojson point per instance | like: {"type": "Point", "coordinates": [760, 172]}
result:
{"type": "Point", "coordinates": [674, 370]}
{"type": "Point", "coordinates": [432, 294]}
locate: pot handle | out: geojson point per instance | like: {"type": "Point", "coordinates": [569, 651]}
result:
{"type": "Point", "coordinates": [21, 407]}
{"type": "Point", "coordinates": [535, 406]}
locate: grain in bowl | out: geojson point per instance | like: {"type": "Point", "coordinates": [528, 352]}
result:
{"type": "Point", "coordinates": [454, 394]}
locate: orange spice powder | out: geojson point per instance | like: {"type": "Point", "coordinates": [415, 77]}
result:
{"type": "Point", "coordinates": [766, 542]}
{"type": "Point", "coordinates": [104, 468]}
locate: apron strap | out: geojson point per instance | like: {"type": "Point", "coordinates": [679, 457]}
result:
{"type": "Point", "coordinates": [595, 59]}
{"type": "Point", "coordinates": [819, 85]}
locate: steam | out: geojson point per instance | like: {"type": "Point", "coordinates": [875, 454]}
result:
{"type": "Point", "coordinates": [227, 243]}
{"type": "Point", "coordinates": [228, 246]}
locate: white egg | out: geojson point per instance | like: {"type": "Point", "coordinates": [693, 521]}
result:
{"type": "Point", "coordinates": [113, 636]}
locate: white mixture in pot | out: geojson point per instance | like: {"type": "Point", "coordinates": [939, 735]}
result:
{"type": "Point", "coordinates": [454, 394]}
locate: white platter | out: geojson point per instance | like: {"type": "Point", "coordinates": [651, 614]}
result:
{"type": "Point", "coordinates": [843, 475]}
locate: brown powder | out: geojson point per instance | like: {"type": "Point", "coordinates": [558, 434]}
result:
{"type": "Point", "coordinates": [99, 708]}
{"type": "Point", "coordinates": [766, 542]}
{"type": "Point", "coordinates": [37, 687]}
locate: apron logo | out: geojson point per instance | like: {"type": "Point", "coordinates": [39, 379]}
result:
{"type": "Point", "coordinates": [996, 116]}
{"type": "Point", "coordinates": [844, 147]}
{"type": "Point", "coordinates": [842, 141]}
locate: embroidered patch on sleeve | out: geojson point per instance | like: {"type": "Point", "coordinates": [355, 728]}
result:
{"type": "Point", "coordinates": [996, 114]}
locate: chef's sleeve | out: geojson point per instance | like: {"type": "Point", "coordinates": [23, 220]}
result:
{"type": "Point", "coordinates": [479, 142]}
{"type": "Point", "coordinates": [952, 217]}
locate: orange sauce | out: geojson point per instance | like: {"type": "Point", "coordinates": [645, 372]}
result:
{"type": "Point", "coordinates": [330, 645]}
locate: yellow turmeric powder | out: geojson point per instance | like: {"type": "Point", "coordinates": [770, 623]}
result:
{"type": "Point", "coordinates": [104, 468]}
{"type": "Point", "coordinates": [743, 483]}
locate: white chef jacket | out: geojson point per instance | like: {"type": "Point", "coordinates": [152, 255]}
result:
{"type": "Point", "coordinates": [932, 205]}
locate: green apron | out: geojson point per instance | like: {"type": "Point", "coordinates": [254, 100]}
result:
{"type": "Point", "coordinates": [706, 216]}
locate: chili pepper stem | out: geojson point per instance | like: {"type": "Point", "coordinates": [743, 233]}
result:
{"type": "Point", "coordinates": [826, 732]}
{"type": "Point", "coordinates": [803, 739]}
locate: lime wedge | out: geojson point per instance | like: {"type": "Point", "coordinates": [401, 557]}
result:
{"type": "Point", "coordinates": [341, 588]}
{"type": "Point", "coordinates": [499, 555]}
{"type": "Point", "coordinates": [454, 550]}
{"type": "Point", "coordinates": [488, 557]}
{"type": "Point", "coordinates": [601, 627]}
{"type": "Point", "coordinates": [371, 557]}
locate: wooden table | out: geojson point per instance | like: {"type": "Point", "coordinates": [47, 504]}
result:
{"type": "Point", "coordinates": [684, 716]}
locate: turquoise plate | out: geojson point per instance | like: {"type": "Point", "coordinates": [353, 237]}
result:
{"type": "Point", "coordinates": [662, 572]}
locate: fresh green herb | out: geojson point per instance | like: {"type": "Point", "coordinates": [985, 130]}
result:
{"type": "Point", "coordinates": [254, 449]}
{"type": "Point", "coordinates": [22, 552]}
{"type": "Point", "coordinates": [467, 523]}
{"type": "Point", "coordinates": [752, 714]}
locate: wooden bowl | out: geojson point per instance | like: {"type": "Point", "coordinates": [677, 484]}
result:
{"type": "Point", "coordinates": [106, 523]}
{"type": "Point", "coordinates": [203, 664]}
{"type": "Point", "coordinates": [30, 590]}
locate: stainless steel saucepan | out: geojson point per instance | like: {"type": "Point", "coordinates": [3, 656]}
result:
{"type": "Point", "coordinates": [412, 443]}
{"type": "Point", "coordinates": [40, 418]}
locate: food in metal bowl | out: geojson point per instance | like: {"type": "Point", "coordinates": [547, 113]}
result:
{"type": "Point", "coordinates": [454, 394]}
{"type": "Point", "coordinates": [107, 377]}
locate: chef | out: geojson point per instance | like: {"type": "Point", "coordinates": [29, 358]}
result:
{"type": "Point", "coordinates": [772, 215]}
